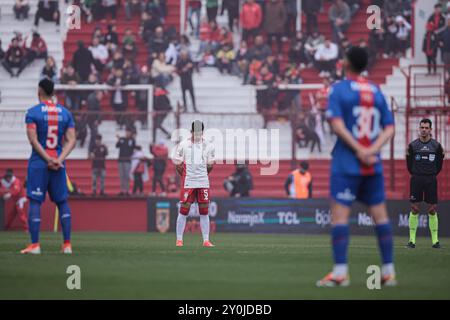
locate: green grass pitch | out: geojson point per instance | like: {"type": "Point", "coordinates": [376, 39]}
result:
{"type": "Point", "coordinates": [241, 266]}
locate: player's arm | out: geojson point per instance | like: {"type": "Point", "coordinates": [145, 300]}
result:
{"type": "Point", "coordinates": [287, 183]}
{"type": "Point", "coordinates": [178, 159]}
{"type": "Point", "coordinates": [387, 123]}
{"type": "Point", "coordinates": [364, 154]}
{"type": "Point", "coordinates": [409, 158]}
{"type": "Point", "coordinates": [211, 158]}
{"type": "Point", "coordinates": [33, 139]}
{"type": "Point", "coordinates": [69, 145]}
{"type": "Point", "coordinates": [339, 128]}
{"type": "Point", "coordinates": [386, 135]}
{"type": "Point", "coordinates": [439, 159]}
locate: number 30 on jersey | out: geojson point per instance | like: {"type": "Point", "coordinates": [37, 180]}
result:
{"type": "Point", "coordinates": [367, 122]}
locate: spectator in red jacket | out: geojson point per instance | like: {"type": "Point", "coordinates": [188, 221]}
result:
{"type": "Point", "coordinates": [12, 190]}
{"type": "Point", "coordinates": [36, 48]}
{"type": "Point", "coordinates": [430, 46]}
{"type": "Point", "coordinates": [251, 18]}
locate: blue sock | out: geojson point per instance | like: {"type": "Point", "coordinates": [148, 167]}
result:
{"type": "Point", "coordinates": [339, 238]}
{"type": "Point", "coordinates": [65, 218]}
{"type": "Point", "coordinates": [34, 220]}
{"type": "Point", "coordinates": [385, 242]}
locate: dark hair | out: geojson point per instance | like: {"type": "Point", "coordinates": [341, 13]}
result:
{"type": "Point", "coordinates": [196, 126]}
{"type": "Point", "coordinates": [47, 86]}
{"type": "Point", "coordinates": [98, 137]}
{"type": "Point", "coordinates": [8, 173]}
{"type": "Point", "coordinates": [438, 6]}
{"type": "Point", "coordinates": [304, 165]}
{"type": "Point", "coordinates": [425, 120]}
{"type": "Point", "coordinates": [358, 58]}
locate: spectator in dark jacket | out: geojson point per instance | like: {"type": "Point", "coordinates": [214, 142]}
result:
{"type": "Point", "coordinates": [47, 10]}
{"type": "Point", "coordinates": [112, 38]}
{"type": "Point", "coordinates": [161, 106]}
{"type": "Point", "coordinates": [149, 23]}
{"type": "Point", "coordinates": [185, 68]}
{"type": "Point", "coordinates": [158, 43]}
{"type": "Point", "coordinates": [126, 148]}
{"type": "Point", "coordinates": [93, 116]}
{"type": "Point", "coordinates": [260, 51]}
{"type": "Point", "coordinates": [49, 70]}
{"type": "Point", "coordinates": [212, 7]}
{"type": "Point", "coordinates": [142, 96]}
{"type": "Point", "coordinates": [240, 182]}
{"type": "Point", "coordinates": [21, 8]}
{"type": "Point", "coordinates": [275, 22]}
{"type": "Point", "coordinates": [98, 155]}
{"type": "Point", "coordinates": [232, 7]}
{"type": "Point", "coordinates": [82, 61]}
{"type": "Point", "coordinates": [297, 50]}
{"type": "Point", "coordinates": [70, 77]}
{"type": "Point", "coordinates": [291, 19]}
{"type": "Point", "coordinates": [339, 15]}
{"type": "Point", "coordinates": [14, 58]}
{"type": "Point", "coordinates": [445, 46]}
{"type": "Point", "coordinates": [311, 9]}
{"type": "Point", "coordinates": [119, 98]}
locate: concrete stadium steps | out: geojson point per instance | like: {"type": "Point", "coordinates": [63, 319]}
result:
{"type": "Point", "coordinates": [216, 93]}
{"type": "Point", "coordinates": [264, 186]}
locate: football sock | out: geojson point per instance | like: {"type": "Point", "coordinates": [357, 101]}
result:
{"type": "Point", "coordinates": [340, 239]}
{"type": "Point", "coordinates": [433, 224]}
{"type": "Point", "coordinates": [204, 225]}
{"type": "Point", "coordinates": [340, 270]}
{"type": "Point", "coordinates": [388, 269]}
{"type": "Point", "coordinates": [181, 224]}
{"type": "Point", "coordinates": [34, 220]}
{"type": "Point", "coordinates": [385, 242]}
{"type": "Point", "coordinates": [413, 223]}
{"type": "Point", "coordinates": [65, 218]}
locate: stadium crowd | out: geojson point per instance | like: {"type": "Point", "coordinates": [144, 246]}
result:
{"type": "Point", "coordinates": [259, 44]}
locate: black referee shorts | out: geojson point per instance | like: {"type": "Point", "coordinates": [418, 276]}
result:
{"type": "Point", "coordinates": [423, 188]}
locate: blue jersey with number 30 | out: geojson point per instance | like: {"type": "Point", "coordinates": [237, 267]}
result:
{"type": "Point", "coordinates": [363, 108]}
{"type": "Point", "coordinates": [51, 122]}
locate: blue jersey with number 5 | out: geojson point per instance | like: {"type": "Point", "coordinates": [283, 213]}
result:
{"type": "Point", "coordinates": [363, 108]}
{"type": "Point", "coordinates": [51, 122]}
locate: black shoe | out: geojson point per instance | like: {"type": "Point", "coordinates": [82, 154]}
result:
{"type": "Point", "coordinates": [437, 245]}
{"type": "Point", "coordinates": [411, 245]}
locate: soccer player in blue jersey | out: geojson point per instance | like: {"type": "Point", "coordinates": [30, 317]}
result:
{"type": "Point", "coordinates": [360, 117]}
{"type": "Point", "coordinates": [47, 125]}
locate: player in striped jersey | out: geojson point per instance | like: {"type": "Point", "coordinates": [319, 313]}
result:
{"type": "Point", "coordinates": [48, 124]}
{"type": "Point", "coordinates": [361, 119]}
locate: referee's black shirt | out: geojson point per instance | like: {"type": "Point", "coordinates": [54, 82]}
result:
{"type": "Point", "coordinates": [425, 158]}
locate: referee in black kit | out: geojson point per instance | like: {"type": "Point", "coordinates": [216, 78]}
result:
{"type": "Point", "coordinates": [424, 159]}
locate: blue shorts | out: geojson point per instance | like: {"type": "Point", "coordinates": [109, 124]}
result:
{"type": "Point", "coordinates": [367, 189]}
{"type": "Point", "coordinates": [41, 179]}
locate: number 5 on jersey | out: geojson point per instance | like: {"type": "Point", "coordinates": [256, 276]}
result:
{"type": "Point", "coordinates": [52, 137]}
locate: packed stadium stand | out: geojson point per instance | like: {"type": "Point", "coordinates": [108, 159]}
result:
{"type": "Point", "coordinates": [222, 101]}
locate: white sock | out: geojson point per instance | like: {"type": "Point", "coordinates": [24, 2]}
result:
{"type": "Point", "coordinates": [340, 270]}
{"type": "Point", "coordinates": [204, 225]}
{"type": "Point", "coordinates": [388, 269]}
{"type": "Point", "coordinates": [181, 224]}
